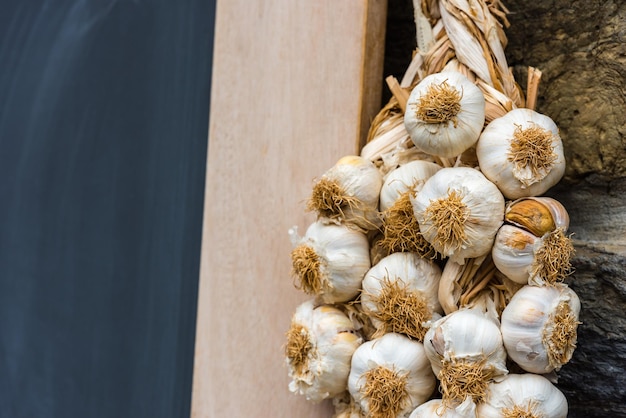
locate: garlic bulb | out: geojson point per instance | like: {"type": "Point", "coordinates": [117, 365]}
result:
{"type": "Point", "coordinates": [445, 114]}
{"type": "Point", "coordinates": [408, 177]}
{"type": "Point", "coordinates": [400, 228]}
{"type": "Point", "coordinates": [348, 192]}
{"type": "Point", "coordinates": [459, 212]}
{"type": "Point", "coordinates": [330, 261]}
{"type": "Point", "coordinates": [521, 153]}
{"type": "Point", "coordinates": [523, 395]}
{"type": "Point", "coordinates": [466, 353]}
{"type": "Point", "coordinates": [400, 294]}
{"type": "Point", "coordinates": [438, 408]}
{"type": "Point", "coordinates": [320, 344]}
{"type": "Point", "coordinates": [539, 327]}
{"type": "Point", "coordinates": [390, 376]}
{"type": "Point", "coordinates": [532, 246]}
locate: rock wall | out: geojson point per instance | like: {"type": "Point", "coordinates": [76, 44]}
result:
{"type": "Point", "coordinates": [580, 46]}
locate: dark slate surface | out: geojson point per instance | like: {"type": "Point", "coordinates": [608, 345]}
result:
{"type": "Point", "coordinates": [103, 138]}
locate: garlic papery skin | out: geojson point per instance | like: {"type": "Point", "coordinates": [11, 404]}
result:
{"type": "Point", "coordinates": [320, 344]}
{"type": "Point", "coordinates": [408, 177]}
{"type": "Point", "coordinates": [330, 261]}
{"type": "Point", "coordinates": [348, 193]}
{"type": "Point", "coordinates": [459, 212]}
{"type": "Point", "coordinates": [539, 327]}
{"type": "Point", "coordinates": [390, 376]}
{"type": "Point", "coordinates": [445, 114]}
{"type": "Point", "coordinates": [466, 353]}
{"type": "Point", "coordinates": [522, 153]}
{"type": "Point", "coordinates": [523, 395]}
{"type": "Point", "coordinates": [400, 294]}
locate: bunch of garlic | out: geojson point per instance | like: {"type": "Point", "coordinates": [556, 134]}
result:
{"type": "Point", "coordinates": [444, 262]}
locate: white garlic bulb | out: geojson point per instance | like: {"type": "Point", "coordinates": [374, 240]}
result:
{"type": "Point", "coordinates": [390, 376]}
{"type": "Point", "coordinates": [408, 177]}
{"type": "Point", "coordinates": [539, 327]}
{"type": "Point", "coordinates": [330, 261]}
{"type": "Point", "coordinates": [401, 232]}
{"type": "Point", "coordinates": [348, 193]}
{"type": "Point", "coordinates": [523, 395]}
{"type": "Point", "coordinates": [459, 212]}
{"type": "Point", "coordinates": [400, 294]}
{"type": "Point", "coordinates": [445, 114]}
{"type": "Point", "coordinates": [532, 247]}
{"type": "Point", "coordinates": [466, 353]}
{"type": "Point", "coordinates": [521, 153]}
{"type": "Point", "coordinates": [438, 408]}
{"type": "Point", "coordinates": [320, 344]}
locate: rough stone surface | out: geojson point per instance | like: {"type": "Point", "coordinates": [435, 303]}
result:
{"type": "Point", "coordinates": [580, 46]}
{"type": "Point", "coordinates": [594, 381]}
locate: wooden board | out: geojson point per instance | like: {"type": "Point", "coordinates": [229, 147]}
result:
{"type": "Point", "coordinates": [295, 85]}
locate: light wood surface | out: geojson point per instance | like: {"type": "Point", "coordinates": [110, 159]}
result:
{"type": "Point", "coordinates": [295, 85]}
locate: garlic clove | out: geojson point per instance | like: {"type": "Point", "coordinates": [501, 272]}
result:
{"type": "Point", "coordinates": [390, 376]}
{"type": "Point", "coordinates": [513, 252]}
{"type": "Point", "coordinates": [523, 395]}
{"type": "Point", "coordinates": [348, 193]}
{"type": "Point", "coordinates": [538, 215]}
{"type": "Point", "coordinates": [466, 353]}
{"type": "Point", "coordinates": [330, 261]}
{"type": "Point", "coordinates": [459, 212]}
{"type": "Point", "coordinates": [320, 344]}
{"type": "Point", "coordinates": [522, 153]}
{"type": "Point", "coordinates": [539, 327]}
{"type": "Point", "coordinates": [400, 294]}
{"type": "Point", "coordinates": [445, 114]}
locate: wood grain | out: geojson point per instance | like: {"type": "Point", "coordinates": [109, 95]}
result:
{"type": "Point", "coordinates": [294, 87]}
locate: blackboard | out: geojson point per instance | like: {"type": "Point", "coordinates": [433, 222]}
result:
{"type": "Point", "coordinates": [103, 136]}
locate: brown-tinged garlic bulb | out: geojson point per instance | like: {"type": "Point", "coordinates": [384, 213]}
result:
{"type": "Point", "coordinates": [523, 396]}
{"type": "Point", "coordinates": [320, 344]}
{"type": "Point", "coordinates": [348, 193]}
{"type": "Point", "coordinates": [390, 376]}
{"type": "Point", "coordinates": [459, 212]}
{"type": "Point", "coordinates": [400, 228]}
{"type": "Point", "coordinates": [330, 261]}
{"type": "Point", "coordinates": [466, 353]}
{"type": "Point", "coordinates": [400, 295]}
{"type": "Point", "coordinates": [445, 114]}
{"type": "Point", "coordinates": [532, 246]}
{"type": "Point", "coordinates": [521, 153]}
{"type": "Point", "coordinates": [539, 327]}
